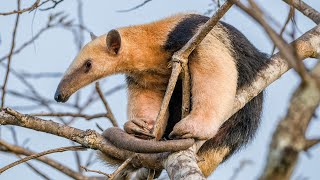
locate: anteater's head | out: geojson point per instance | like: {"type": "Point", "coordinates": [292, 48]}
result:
{"type": "Point", "coordinates": [97, 59]}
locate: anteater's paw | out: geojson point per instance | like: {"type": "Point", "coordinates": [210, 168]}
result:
{"type": "Point", "coordinates": [140, 128]}
{"type": "Point", "coordinates": [196, 128]}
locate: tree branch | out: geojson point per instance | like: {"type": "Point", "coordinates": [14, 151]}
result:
{"type": "Point", "coordinates": [87, 117]}
{"type": "Point", "coordinates": [305, 9]}
{"type": "Point", "coordinates": [135, 7]}
{"type": "Point", "coordinates": [34, 156]}
{"type": "Point", "coordinates": [18, 11]}
{"type": "Point", "coordinates": [10, 57]}
{"type": "Point", "coordinates": [289, 138]}
{"type": "Point", "coordinates": [106, 105]}
{"type": "Point", "coordinates": [22, 151]}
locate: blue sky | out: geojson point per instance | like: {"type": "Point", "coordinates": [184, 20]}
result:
{"type": "Point", "coordinates": [55, 49]}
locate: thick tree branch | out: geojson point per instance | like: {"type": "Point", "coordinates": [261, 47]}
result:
{"type": "Point", "coordinates": [289, 138]}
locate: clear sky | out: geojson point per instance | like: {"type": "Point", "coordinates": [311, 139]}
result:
{"type": "Point", "coordinates": [55, 49]}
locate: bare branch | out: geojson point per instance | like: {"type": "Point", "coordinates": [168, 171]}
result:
{"type": "Point", "coordinates": [55, 3]}
{"type": "Point", "coordinates": [69, 148]}
{"type": "Point", "coordinates": [41, 75]}
{"type": "Point", "coordinates": [10, 57]}
{"type": "Point", "coordinates": [136, 7]}
{"type": "Point", "coordinates": [37, 171]}
{"type": "Point", "coordinates": [305, 9]}
{"type": "Point", "coordinates": [22, 151]}
{"type": "Point", "coordinates": [120, 168]}
{"type": "Point", "coordinates": [87, 117]}
{"type": "Point", "coordinates": [242, 165]}
{"type": "Point", "coordinates": [290, 17]}
{"type": "Point", "coordinates": [18, 11]}
{"type": "Point", "coordinates": [309, 143]}
{"type": "Point", "coordinates": [95, 171]}
{"type": "Point", "coordinates": [106, 105]}
{"type": "Point", "coordinates": [289, 138]}
{"type": "Point", "coordinates": [54, 21]}
{"type": "Point", "coordinates": [286, 50]}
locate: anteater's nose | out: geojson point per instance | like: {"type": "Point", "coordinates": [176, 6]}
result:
{"type": "Point", "coordinates": [58, 96]}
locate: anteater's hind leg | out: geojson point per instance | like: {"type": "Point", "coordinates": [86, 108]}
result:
{"type": "Point", "coordinates": [213, 88]}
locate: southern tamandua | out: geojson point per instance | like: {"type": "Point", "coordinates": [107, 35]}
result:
{"type": "Point", "coordinates": [224, 61]}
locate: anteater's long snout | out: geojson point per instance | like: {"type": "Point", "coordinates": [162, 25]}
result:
{"type": "Point", "coordinates": [59, 96]}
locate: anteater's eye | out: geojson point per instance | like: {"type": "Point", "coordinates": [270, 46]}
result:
{"type": "Point", "coordinates": [88, 65]}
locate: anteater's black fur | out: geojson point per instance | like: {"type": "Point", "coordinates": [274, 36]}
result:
{"type": "Point", "coordinates": [241, 127]}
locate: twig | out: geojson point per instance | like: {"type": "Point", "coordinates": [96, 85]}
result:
{"type": "Point", "coordinates": [242, 165]}
{"type": "Point", "coordinates": [135, 7]}
{"type": "Point", "coordinates": [37, 171]}
{"type": "Point", "coordinates": [95, 171]}
{"type": "Point", "coordinates": [77, 158]}
{"type": "Point", "coordinates": [87, 117]}
{"type": "Point", "coordinates": [305, 9]}
{"type": "Point", "coordinates": [286, 50]}
{"type": "Point", "coordinates": [10, 57]}
{"type": "Point", "coordinates": [35, 99]}
{"type": "Point", "coordinates": [120, 168]}
{"type": "Point", "coordinates": [55, 3]}
{"type": "Point", "coordinates": [290, 16]}
{"type": "Point", "coordinates": [69, 148]}
{"type": "Point", "coordinates": [106, 105]}
{"type": "Point", "coordinates": [90, 159]}
{"type": "Point", "coordinates": [18, 11]}
{"type": "Point", "coordinates": [50, 24]}
{"type": "Point", "coordinates": [41, 75]}
{"type": "Point", "coordinates": [22, 151]}
{"type": "Point", "coordinates": [309, 143]}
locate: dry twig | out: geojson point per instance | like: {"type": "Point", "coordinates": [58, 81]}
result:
{"type": "Point", "coordinates": [87, 117]}
{"type": "Point", "coordinates": [286, 50]}
{"type": "Point", "coordinates": [305, 9]}
{"type": "Point", "coordinates": [135, 7]}
{"type": "Point", "coordinates": [95, 171]}
{"type": "Point", "coordinates": [69, 148]}
{"type": "Point", "coordinates": [106, 105]}
{"type": "Point", "coordinates": [22, 151]}
{"type": "Point", "coordinates": [10, 57]}
{"type": "Point", "coordinates": [18, 11]}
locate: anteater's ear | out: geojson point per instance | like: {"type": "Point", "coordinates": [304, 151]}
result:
{"type": "Point", "coordinates": [113, 41]}
{"type": "Point", "coordinates": [93, 36]}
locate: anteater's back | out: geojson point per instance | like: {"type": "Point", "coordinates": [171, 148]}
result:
{"type": "Point", "coordinates": [241, 127]}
